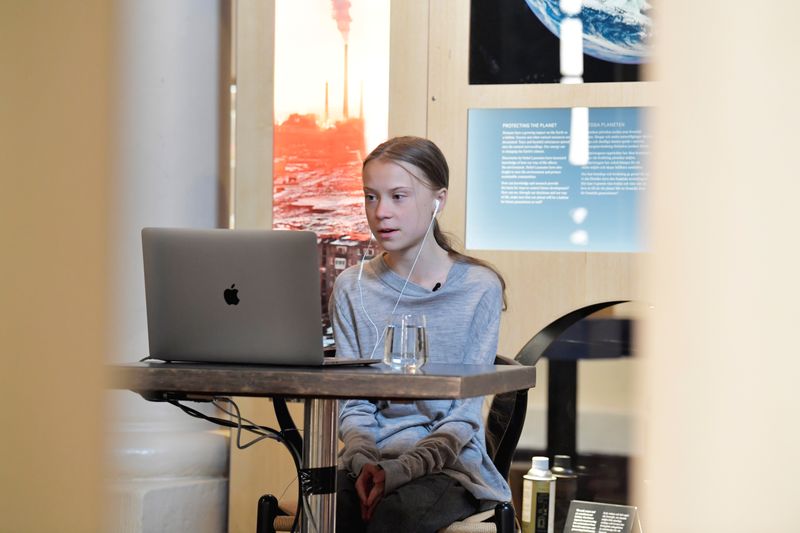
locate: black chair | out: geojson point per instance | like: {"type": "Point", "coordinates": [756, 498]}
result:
{"type": "Point", "coordinates": [563, 342]}
{"type": "Point", "coordinates": [507, 416]}
{"type": "Point", "coordinates": [503, 428]}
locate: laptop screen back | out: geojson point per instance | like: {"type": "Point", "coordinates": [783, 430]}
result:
{"type": "Point", "coordinates": [233, 296]}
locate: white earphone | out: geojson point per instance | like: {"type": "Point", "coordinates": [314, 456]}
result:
{"type": "Point", "coordinates": [436, 204]}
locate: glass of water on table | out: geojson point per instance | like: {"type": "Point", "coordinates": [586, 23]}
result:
{"type": "Point", "coordinates": [406, 343]}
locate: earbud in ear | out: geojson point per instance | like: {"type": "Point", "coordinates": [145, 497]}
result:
{"type": "Point", "coordinates": [436, 204]}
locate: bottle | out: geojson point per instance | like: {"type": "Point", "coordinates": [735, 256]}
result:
{"type": "Point", "coordinates": [566, 488]}
{"type": "Point", "coordinates": [538, 497]}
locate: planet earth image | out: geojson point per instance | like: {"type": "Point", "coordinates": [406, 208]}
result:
{"type": "Point", "coordinates": [613, 30]}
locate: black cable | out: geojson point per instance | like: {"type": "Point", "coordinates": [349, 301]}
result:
{"type": "Point", "coordinates": [227, 423]}
{"type": "Point", "coordinates": [289, 437]}
{"type": "Point", "coordinates": [263, 432]}
{"type": "Point", "coordinates": [237, 415]}
{"type": "Point", "coordinates": [287, 425]}
{"type": "Point", "coordinates": [294, 443]}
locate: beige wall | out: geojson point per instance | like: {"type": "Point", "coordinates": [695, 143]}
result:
{"type": "Point", "coordinates": [253, 76]}
{"type": "Point", "coordinates": [541, 286]}
{"type": "Point", "coordinates": [265, 468]}
{"type": "Point", "coordinates": [54, 148]}
{"type": "Point", "coordinates": [719, 392]}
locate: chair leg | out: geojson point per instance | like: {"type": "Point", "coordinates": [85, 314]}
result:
{"type": "Point", "coordinates": [267, 511]}
{"type": "Point", "coordinates": [504, 518]}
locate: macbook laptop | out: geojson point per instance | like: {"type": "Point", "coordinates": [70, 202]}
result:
{"type": "Point", "coordinates": [234, 296]}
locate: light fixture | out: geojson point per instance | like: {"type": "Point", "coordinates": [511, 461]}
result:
{"type": "Point", "coordinates": [571, 50]}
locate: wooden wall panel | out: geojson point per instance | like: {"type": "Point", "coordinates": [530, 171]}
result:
{"type": "Point", "coordinates": [408, 69]}
{"type": "Point", "coordinates": [541, 285]}
{"type": "Point", "coordinates": [265, 468]}
{"type": "Point", "coordinates": [254, 77]}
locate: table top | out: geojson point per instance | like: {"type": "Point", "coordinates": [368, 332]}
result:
{"type": "Point", "coordinates": [433, 381]}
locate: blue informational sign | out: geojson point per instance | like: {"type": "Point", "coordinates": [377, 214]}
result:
{"type": "Point", "coordinates": [523, 193]}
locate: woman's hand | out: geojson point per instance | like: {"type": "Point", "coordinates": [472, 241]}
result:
{"type": "Point", "coordinates": [369, 487]}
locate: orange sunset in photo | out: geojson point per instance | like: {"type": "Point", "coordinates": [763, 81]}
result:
{"type": "Point", "coordinates": [331, 109]}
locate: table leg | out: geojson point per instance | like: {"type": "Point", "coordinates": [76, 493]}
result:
{"type": "Point", "coordinates": [319, 465]}
{"type": "Point", "coordinates": [562, 399]}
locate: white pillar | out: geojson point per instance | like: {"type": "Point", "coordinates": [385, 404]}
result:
{"type": "Point", "coordinates": [170, 471]}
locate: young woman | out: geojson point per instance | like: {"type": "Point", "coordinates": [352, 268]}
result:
{"type": "Point", "coordinates": [414, 466]}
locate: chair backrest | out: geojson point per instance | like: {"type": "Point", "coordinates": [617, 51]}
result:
{"type": "Point", "coordinates": [535, 348]}
{"type": "Point", "coordinates": [504, 423]}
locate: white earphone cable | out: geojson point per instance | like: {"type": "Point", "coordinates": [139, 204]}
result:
{"type": "Point", "coordinates": [379, 338]}
{"type": "Point", "coordinates": [361, 291]}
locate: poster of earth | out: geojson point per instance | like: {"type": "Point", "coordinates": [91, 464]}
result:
{"type": "Point", "coordinates": [517, 41]}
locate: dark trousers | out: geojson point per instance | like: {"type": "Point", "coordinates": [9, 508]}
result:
{"type": "Point", "coordinates": [423, 505]}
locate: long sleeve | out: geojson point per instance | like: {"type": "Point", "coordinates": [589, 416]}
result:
{"type": "Point", "coordinates": [412, 439]}
{"type": "Point", "coordinates": [357, 423]}
{"type": "Point", "coordinates": [463, 422]}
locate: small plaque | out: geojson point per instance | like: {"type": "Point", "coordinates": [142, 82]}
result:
{"type": "Point", "coordinates": [591, 517]}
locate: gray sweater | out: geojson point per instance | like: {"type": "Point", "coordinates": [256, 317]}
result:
{"type": "Point", "coordinates": [413, 439]}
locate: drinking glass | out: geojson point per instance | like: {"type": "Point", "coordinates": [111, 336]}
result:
{"type": "Point", "coordinates": [406, 342]}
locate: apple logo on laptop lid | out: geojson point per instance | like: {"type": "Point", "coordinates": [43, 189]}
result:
{"type": "Point", "coordinates": [231, 295]}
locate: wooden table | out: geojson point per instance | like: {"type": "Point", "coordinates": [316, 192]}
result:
{"type": "Point", "coordinates": [320, 388]}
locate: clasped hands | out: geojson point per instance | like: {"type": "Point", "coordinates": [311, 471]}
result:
{"type": "Point", "coordinates": [369, 487]}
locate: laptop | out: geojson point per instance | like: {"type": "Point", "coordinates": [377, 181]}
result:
{"type": "Point", "coordinates": [234, 296]}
